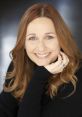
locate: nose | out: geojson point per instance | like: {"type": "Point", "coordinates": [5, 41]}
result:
{"type": "Point", "coordinates": [41, 46]}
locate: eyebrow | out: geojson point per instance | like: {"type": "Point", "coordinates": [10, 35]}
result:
{"type": "Point", "coordinates": [50, 33]}
{"type": "Point", "coordinates": [45, 33]}
{"type": "Point", "coordinates": [31, 34]}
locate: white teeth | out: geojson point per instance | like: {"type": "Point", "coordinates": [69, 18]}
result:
{"type": "Point", "coordinates": [42, 55]}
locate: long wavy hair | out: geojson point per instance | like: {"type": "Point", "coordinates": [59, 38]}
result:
{"type": "Point", "coordinates": [21, 73]}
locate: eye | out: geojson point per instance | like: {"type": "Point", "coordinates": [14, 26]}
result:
{"type": "Point", "coordinates": [49, 37]}
{"type": "Point", "coordinates": [32, 38]}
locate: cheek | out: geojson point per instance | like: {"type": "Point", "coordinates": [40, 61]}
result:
{"type": "Point", "coordinates": [54, 55]}
{"type": "Point", "coordinates": [54, 46]}
{"type": "Point", "coordinates": [55, 52]}
{"type": "Point", "coordinates": [29, 48]}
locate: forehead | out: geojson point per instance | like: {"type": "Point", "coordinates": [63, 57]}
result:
{"type": "Point", "coordinates": [41, 24]}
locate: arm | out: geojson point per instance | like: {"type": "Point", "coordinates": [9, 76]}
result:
{"type": "Point", "coordinates": [30, 105]}
{"type": "Point", "coordinates": [31, 102]}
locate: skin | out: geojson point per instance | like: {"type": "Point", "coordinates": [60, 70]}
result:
{"type": "Point", "coordinates": [42, 45]}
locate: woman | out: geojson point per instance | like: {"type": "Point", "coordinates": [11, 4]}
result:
{"type": "Point", "coordinates": [44, 77]}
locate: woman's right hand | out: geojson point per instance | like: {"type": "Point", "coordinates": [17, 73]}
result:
{"type": "Point", "coordinates": [59, 65]}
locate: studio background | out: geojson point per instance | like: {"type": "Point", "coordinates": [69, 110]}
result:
{"type": "Point", "coordinates": [10, 14]}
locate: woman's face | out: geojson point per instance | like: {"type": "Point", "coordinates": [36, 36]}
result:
{"type": "Point", "coordinates": [41, 43]}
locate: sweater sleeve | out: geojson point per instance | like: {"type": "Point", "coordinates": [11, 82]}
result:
{"type": "Point", "coordinates": [30, 105]}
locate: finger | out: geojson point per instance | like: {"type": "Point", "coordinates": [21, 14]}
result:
{"type": "Point", "coordinates": [65, 58]}
{"type": "Point", "coordinates": [59, 61]}
{"type": "Point", "coordinates": [55, 64]}
{"type": "Point", "coordinates": [62, 53]}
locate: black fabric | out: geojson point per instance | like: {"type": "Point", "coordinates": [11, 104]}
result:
{"type": "Point", "coordinates": [36, 104]}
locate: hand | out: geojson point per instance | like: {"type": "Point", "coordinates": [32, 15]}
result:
{"type": "Point", "coordinates": [59, 65]}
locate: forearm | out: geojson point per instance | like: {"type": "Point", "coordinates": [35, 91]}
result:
{"type": "Point", "coordinates": [31, 103]}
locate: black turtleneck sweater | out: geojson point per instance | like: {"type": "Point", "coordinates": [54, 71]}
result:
{"type": "Point", "coordinates": [36, 103]}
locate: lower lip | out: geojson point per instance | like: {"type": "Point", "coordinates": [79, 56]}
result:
{"type": "Point", "coordinates": [42, 56]}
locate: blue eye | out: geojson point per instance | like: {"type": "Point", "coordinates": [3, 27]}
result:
{"type": "Point", "coordinates": [32, 38]}
{"type": "Point", "coordinates": [50, 37]}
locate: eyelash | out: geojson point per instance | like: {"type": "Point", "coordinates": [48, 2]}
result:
{"type": "Point", "coordinates": [50, 37]}
{"type": "Point", "coordinates": [34, 38]}
{"type": "Point", "coordinates": [31, 38]}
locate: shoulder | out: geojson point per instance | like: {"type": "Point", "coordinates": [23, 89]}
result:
{"type": "Point", "coordinates": [79, 79]}
{"type": "Point", "coordinates": [8, 101]}
{"type": "Point", "coordinates": [79, 73]}
{"type": "Point", "coordinates": [79, 82]}
{"type": "Point", "coordinates": [10, 67]}
{"type": "Point", "coordinates": [66, 89]}
{"type": "Point", "coordinates": [7, 97]}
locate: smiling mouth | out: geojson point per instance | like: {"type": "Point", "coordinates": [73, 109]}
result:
{"type": "Point", "coordinates": [42, 55]}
